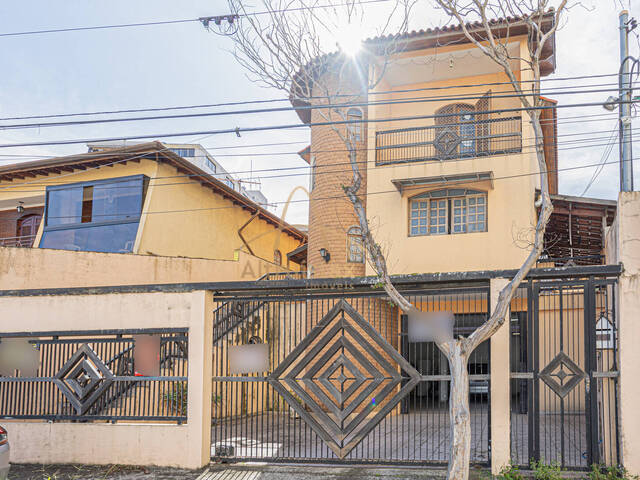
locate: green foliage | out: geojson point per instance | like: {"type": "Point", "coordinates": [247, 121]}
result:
{"type": "Point", "coordinates": [546, 471]}
{"type": "Point", "coordinates": [176, 398]}
{"type": "Point", "coordinates": [617, 472]}
{"type": "Point", "coordinates": [510, 472]}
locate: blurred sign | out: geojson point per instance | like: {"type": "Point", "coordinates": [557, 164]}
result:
{"type": "Point", "coordinates": [430, 326]}
{"type": "Point", "coordinates": [251, 358]}
{"type": "Point", "coordinates": [605, 336]}
{"type": "Point", "coordinates": [146, 355]}
{"type": "Point", "coordinates": [18, 354]}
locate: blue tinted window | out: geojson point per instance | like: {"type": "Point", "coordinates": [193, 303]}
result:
{"type": "Point", "coordinates": [117, 201]}
{"type": "Point", "coordinates": [99, 216]}
{"type": "Point", "coordinates": [64, 206]}
{"type": "Point", "coordinates": [118, 238]}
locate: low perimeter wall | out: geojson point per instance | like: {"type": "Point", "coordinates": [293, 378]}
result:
{"type": "Point", "coordinates": [27, 268]}
{"type": "Point", "coordinates": [186, 445]}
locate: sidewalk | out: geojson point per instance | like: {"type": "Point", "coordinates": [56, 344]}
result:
{"type": "Point", "coordinates": [323, 472]}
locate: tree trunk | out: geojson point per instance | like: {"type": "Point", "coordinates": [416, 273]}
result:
{"type": "Point", "coordinates": [459, 413]}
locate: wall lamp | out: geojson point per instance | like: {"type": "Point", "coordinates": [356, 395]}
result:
{"type": "Point", "coordinates": [20, 207]}
{"type": "Point", "coordinates": [324, 253]}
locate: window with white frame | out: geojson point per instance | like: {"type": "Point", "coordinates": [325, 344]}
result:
{"type": "Point", "coordinates": [447, 211]}
{"type": "Point", "coordinates": [210, 165]}
{"type": "Point", "coordinates": [355, 245]}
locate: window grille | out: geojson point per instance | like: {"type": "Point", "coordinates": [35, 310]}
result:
{"type": "Point", "coordinates": [449, 210]}
{"type": "Point", "coordinates": [355, 245]}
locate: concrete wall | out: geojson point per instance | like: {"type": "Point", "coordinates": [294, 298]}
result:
{"type": "Point", "coordinates": [28, 268]}
{"type": "Point", "coordinates": [134, 443]}
{"type": "Point", "coordinates": [623, 245]}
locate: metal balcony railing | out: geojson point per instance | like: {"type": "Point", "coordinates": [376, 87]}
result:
{"type": "Point", "coordinates": [23, 241]}
{"type": "Point", "coordinates": [445, 142]}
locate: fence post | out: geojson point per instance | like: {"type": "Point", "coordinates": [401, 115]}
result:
{"type": "Point", "coordinates": [500, 387]}
{"type": "Point", "coordinates": [198, 450]}
{"type": "Point", "coordinates": [628, 253]}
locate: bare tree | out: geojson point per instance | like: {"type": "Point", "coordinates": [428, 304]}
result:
{"type": "Point", "coordinates": [288, 52]}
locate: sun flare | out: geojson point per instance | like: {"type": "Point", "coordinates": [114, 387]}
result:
{"type": "Point", "coordinates": [349, 39]}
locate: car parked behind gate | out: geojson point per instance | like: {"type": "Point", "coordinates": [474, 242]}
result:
{"type": "Point", "coordinates": [4, 454]}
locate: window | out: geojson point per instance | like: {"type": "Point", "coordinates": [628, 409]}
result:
{"type": "Point", "coordinates": [456, 132]}
{"type": "Point", "coordinates": [355, 245]}
{"type": "Point", "coordinates": [184, 152]}
{"type": "Point", "coordinates": [100, 216]}
{"type": "Point", "coordinates": [277, 257]}
{"type": "Point", "coordinates": [354, 130]}
{"type": "Point", "coordinates": [27, 225]}
{"type": "Point", "coordinates": [210, 165]}
{"type": "Point", "coordinates": [451, 210]}
{"type": "Point", "coordinates": [229, 183]}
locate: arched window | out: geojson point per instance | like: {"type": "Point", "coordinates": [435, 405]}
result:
{"type": "Point", "coordinates": [355, 245]}
{"type": "Point", "coordinates": [449, 210]}
{"type": "Point", "coordinates": [277, 257]}
{"type": "Point", "coordinates": [27, 225]}
{"type": "Point", "coordinates": [354, 130]}
{"type": "Point", "coordinates": [456, 132]}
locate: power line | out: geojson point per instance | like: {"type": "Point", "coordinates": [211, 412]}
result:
{"type": "Point", "coordinates": [605, 157]}
{"type": "Point", "coordinates": [526, 149]}
{"type": "Point", "coordinates": [276, 100]}
{"type": "Point", "coordinates": [365, 194]}
{"type": "Point", "coordinates": [288, 109]}
{"type": "Point", "coordinates": [170, 22]}
{"type": "Point", "coordinates": [562, 121]}
{"type": "Point", "coordinates": [239, 130]}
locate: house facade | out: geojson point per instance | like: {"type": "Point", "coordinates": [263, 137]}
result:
{"type": "Point", "coordinates": [143, 199]}
{"type": "Point", "coordinates": [447, 161]}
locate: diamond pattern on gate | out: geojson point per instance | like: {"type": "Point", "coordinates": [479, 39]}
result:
{"type": "Point", "coordinates": [83, 379]}
{"type": "Point", "coordinates": [343, 378]}
{"type": "Point", "coordinates": [554, 374]}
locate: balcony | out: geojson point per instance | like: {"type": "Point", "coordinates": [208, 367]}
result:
{"type": "Point", "coordinates": [445, 142]}
{"type": "Point", "coordinates": [25, 241]}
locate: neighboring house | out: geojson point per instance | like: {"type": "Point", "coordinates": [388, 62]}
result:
{"type": "Point", "coordinates": [143, 199]}
{"type": "Point", "coordinates": [452, 190]}
{"type": "Point", "coordinates": [200, 157]}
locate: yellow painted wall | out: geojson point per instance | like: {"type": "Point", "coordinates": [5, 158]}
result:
{"type": "Point", "coordinates": [511, 212]}
{"type": "Point", "coordinates": [207, 229]}
{"type": "Point", "coordinates": [27, 268]}
{"type": "Point", "coordinates": [210, 232]}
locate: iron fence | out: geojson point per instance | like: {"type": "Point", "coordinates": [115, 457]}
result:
{"type": "Point", "coordinates": [92, 375]}
{"type": "Point", "coordinates": [337, 387]}
{"type": "Point", "coordinates": [25, 241]}
{"type": "Point", "coordinates": [564, 386]}
{"type": "Point", "coordinates": [442, 142]}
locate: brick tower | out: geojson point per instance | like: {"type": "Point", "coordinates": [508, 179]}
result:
{"type": "Point", "coordinates": [333, 226]}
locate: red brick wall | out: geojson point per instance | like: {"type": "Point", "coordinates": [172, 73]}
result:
{"type": "Point", "coordinates": [331, 213]}
{"type": "Point", "coordinates": [9, 220]}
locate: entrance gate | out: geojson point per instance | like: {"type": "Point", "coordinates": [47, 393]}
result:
{"type": "Point", "coordinates": [564, 373]}
{"type": "Point", "coordinates": [341, 381]}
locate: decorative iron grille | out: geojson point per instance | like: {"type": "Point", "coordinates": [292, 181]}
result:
{"type": "Point", "coordinates": [344, 383]}
{"type": "Point", "coordinates": [482, 137]}
{"type": "Point", "coordinates": [92, 376]}
{"type": "Point", "coordinates": [564, 372]}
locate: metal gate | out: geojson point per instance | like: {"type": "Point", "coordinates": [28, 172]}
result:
{"type": "Point", "coordinates": [340, 381]}
{"type": "Point", "coordinates": [564, 373]}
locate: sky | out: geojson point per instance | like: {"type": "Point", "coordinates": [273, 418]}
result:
{"type": "Point", "coordinates": [183, 64]}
